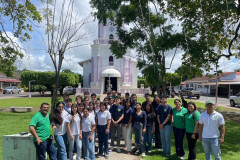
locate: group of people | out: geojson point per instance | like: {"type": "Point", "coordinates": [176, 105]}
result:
{"type": "Point", "coordinates": [77, 124]}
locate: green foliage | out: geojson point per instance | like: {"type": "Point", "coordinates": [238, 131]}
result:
{"type": "Point", "coordinates": [150, 32]}
{"type": "Point", "coordinates": [20, 16]}
{"type": "Point", "coordinates": [173, 78]}
{"type": "Point", "coordinates": [188, 71]}
{"type": "Point", "coordinates": [141, 81]}
{"type": "Point", "coordinates": [47, 79]}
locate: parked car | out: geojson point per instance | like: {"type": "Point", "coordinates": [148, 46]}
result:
{"type": "Point", "coordinates": [234, 100]}
{"type": "Point", "coordinates": [69, 90]}
{"type": "Point", "coordinates": [185, 92]}
{"type": "Point", "coordinates": [11, 90]}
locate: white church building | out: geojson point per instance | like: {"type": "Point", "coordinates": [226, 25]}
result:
{"type": "Point", "coordinates": [103, 66]}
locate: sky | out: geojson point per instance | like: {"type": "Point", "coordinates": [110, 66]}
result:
{"type": "Point", "coordinates": [36, 58]}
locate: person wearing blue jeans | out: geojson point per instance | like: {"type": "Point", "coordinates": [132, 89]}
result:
{"type": "Point", "coordinates": [88, 128]}
{"type": "Point", "coordinates": [58, 121]}
{"type": "Point", "coordinates": [74, 132]}
{"type": "Point", "coordinates": [40, 129]}
{"type": "Point", "coordinates": [164, 115]}
{"type": "Point", "coordinates": [148, 136]}
{"type": "Point", "coordinates": [103, 124]}
{"type": "Point", "coordinates": [46, 146]}
{"type": "Point", "coordinates": [209, 133]}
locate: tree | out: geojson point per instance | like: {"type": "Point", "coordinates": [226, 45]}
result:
{"type": "Point", "coordinates": [47, 79]}
{"type": "Point", "coordinates": [187, 71]}
{"type": "Point", "coordinates": [150, 32]}
{"type": "Point", "coordinates": [20, 17]}
{"type": "Point", "coordinates": [211, 30]}
{"type": "Point", "coordinates": [63, 34]}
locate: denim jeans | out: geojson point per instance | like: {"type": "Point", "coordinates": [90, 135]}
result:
{"type": "Point", "coordinates": [179, 135]}
{"type": "Point", "coordinates": [115, 129]}
{"type": "Point", "coordinates": [127, 136]}
{"type": "Point", "coordinates": [137, 129]}
{"type": "Point", "coordinates": [87, 146]}
{"type": "Point", "coordinates": [148, 139]}
{"type": "Point", "coordinates": [211, 144]}
{"type": "Point", "coordinates": [166, 139]}
{"type": "Point", "coordinates": [102, 139]}
{"type": "Point", "coordinates": [157, 138]}
{"type": "Point", "coordinates": [46, 146]}
{"type": "Point", "coordinates": [61, 148]}
{"type": "Point", "coordinates": [78, 143]}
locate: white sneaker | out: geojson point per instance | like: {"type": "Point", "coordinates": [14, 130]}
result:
{"type": "Point", "coordinates": [182, 157]}
{"type": "Point", "coordinates": [118, 150]}
{"type": "Point", "coordinates": [149, 151]}
{"type": "Point", "coordinates": [111, 148]}
{"type": "Point", "coordinates": [143, 154]}
{"type": "Point", "coordinates": [74, 156]}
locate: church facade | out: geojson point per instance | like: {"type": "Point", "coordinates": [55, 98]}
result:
{"type": "Point", "coordinates": [103, 66]}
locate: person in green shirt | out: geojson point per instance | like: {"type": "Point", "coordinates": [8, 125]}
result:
{"type": "Point", "coordinates": [191, 121]}
{"type": "Point", "coordinates": [40, 129]}
{"type": "Point", "coordinates": [179, 127]}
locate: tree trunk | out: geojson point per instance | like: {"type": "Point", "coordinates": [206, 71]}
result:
{"type": "Point", "coordinates": [55, 90]}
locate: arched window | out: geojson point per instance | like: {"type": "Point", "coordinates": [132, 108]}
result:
{"type": "Point", "coordinates": [111, 36]}
{"type": "Point", "coordinates": [111, 61]}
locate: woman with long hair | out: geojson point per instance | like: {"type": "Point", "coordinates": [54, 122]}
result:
{"type": "Point", "coordinates": [88, 128]}
{"type": "Point", "coordinates": [59, 129]}
{"type": "Point", "coordinates": [92, 114]}
{"type": "Point", "coordinates": [78, 99]}
{"type": "Point", "coordinates": [127, 126]}
{"type": "Point", "coordinates": [139, 127]}
{"type": "Point", "coordinates": [74, 132]}
{"type": "Point", "coordinates": [103, 126]}
{"type": "Point", "coordinates": [191, 121]}
{"type": "Point", "coordinates": [150, 128]}
{"type": "Point", "coordinates": [178, 122]}
{"type": "Point", "coordinates": [81, 106]}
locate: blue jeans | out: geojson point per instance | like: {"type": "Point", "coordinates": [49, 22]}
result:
{"type": "Point", "coordinates": [165, 135]}
{"type": "Point", "coordinates": [148, 139]}
{"type": "Point", "coordinates": [87, 146]}
{"type": "Point", "coordinates": [102, 139]}
{"type": "Point", "coordinates": [46, 146]}
{"type": "Point", "coordinates": [78, 143]}
{"type": "Point", "coordinates": [179, 135]}
{"type": "Point", "coordinates": [61, 148]}
{"type": "Point", "coordinates": [137, 129]}
{"type": "Point", "coordinates": [211, 144]}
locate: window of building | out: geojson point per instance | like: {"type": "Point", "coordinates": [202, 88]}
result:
{"type": "Point", "coordinates": [111, 36]}
{"type": "Point", "coordinates": [111, 61]}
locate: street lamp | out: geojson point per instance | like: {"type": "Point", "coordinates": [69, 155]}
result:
{"type": "Point", "coordinates": [29, 86]}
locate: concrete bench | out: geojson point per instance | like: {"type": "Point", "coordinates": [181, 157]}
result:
{"type": "Point", "coordinates": [28, 109]}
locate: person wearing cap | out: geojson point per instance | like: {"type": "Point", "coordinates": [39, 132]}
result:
{"type": "Point", "coordinates": [209, 133]}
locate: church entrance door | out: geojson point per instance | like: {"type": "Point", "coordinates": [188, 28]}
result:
{"type": "Point", "coordinates": [113, 82]}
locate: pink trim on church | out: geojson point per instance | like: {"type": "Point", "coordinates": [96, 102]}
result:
{"type": "Point", "coordinates": [98, 68]}
{"type": "Point", "coordinates": [129, 70]}
{"type": "Point", "coordinates": [124, 60]}
{"type": "Point", "coordinates": [92, 70]}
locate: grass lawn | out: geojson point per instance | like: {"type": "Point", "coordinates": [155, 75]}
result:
{"type": "Point", "coordinates": [12, 123]}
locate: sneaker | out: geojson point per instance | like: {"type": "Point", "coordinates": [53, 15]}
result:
{"type": "Point", "coordinates": [137, 152]}
{"type": "Point", "coordinates": [111, 148]}
{"type": "Point", "coordinates": [182, 157]}
{"type": "Point", "coordinates": [143, 154]}
{"type": "Point", "coordinates": [99, 155]}
{"type": "Point", "coordinates": [149, 151]}
{"type": "Point", "coordinates": [159, 149]}
{"type": "Point", "coordinates": [118, 150]}
{"type": "Point", "coordinates": [107, 156]}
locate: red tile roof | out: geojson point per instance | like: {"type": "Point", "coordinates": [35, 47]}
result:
{"type": "Point", "coordinates": [8, 80]}
{"type": "Point", "coordinates": [207, 78]}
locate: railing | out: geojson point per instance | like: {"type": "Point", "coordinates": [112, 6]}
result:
{"type": "Point", "coordinates": [136, 91]}
{"type": "Point", "coordinates": [90, 90]}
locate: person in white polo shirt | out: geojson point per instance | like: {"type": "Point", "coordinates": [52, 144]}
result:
{"type": "Point", "coordinates": [103, 125]}
{"type": "Point", "coordinates": [209, 123]}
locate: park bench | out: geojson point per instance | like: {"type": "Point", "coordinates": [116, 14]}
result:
{"type": "Point", "coordinates": [28, 109]}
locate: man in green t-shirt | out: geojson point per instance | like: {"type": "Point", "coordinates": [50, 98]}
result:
{"type": "Point", "coordinates": [40, 129]}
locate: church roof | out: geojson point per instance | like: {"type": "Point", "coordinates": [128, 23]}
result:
{"type": "Point", "coordinates": [82, 62]}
